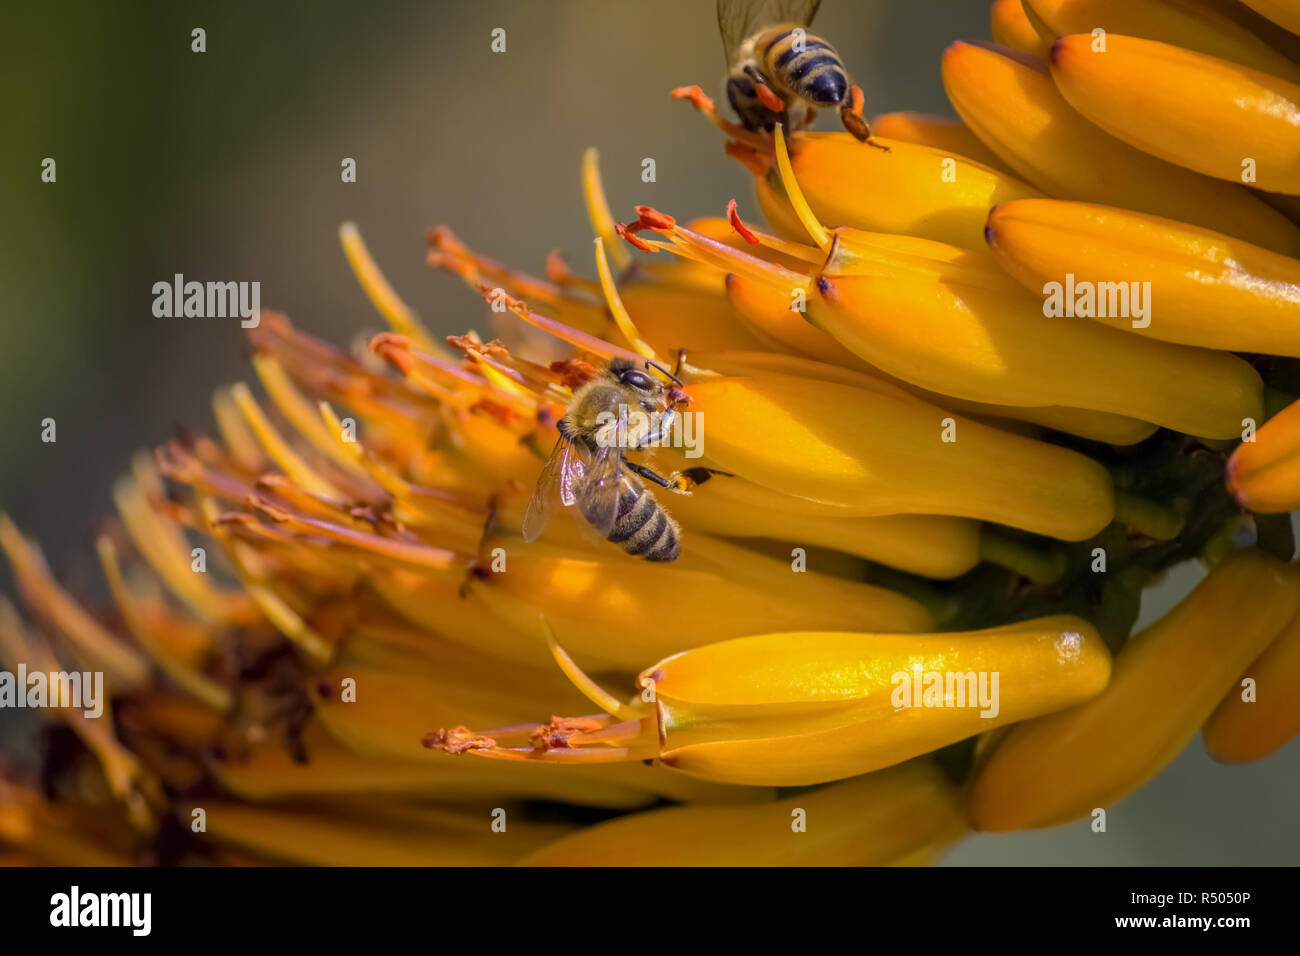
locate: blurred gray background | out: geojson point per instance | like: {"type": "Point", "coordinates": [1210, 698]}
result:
{"type": "Point", "coordinates": [225, 165]}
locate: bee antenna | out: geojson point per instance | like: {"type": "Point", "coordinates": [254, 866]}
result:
{"type": "Point", "coordinates": [655, 365]}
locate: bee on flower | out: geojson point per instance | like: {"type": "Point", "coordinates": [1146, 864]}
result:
{"type": "Point", "coordinates": [911, 469]}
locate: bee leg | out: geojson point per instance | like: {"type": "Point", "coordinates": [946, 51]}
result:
{"type": "Point", "coordinates": [649, 475]}
{"type": "Point", "coordinates": [680, 481]}
{"type": "Point", "coordinates": [851, 117]}
{"type": "Point", "coordinates": [657, 434]}
{"type": "Point", "coordinates": [694, 477]}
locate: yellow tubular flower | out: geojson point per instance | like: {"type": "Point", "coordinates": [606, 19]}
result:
{"type": "Point", "coordinates": [1167, 680]}
{"type": "Point", "coordinates": [1209, 115]}
{"type": "Point", "coordinates": [372, 833]}
{"type": "Point", "coordinates": [399, 692]}
{"type": "Point", "coordinates": [1012, 104]}
{"type": "Point", "coordinates": [1285, 13]}
{"type": "Point", "coordinates": [994, 347]}
{"type": "Point", "coordinates": [1012, 28]}
{"type": "Point", "coordinates": [267, 772]}
{"type": "Point", "coordinates": [1194, 26]}
{"type": "Point", "coordinates": [935, 546]}
{"type": "Point", "coordinates": [766, 306]}
{"type": "Point", "coordinates": [939, 132]}
{"type": "Point", "coordinates": [794, 709]}
{"type": "Point", "coordinates": [122, 664]}
{"type": "Point", "coordinates": [672, 316]}
{"type": "Point", "coordinates": [868, 821]}
{"type": "Point", "coordinates": [1241, 730]}
{"type": "Point", "coordinates": [669, 306]}
{"type": "Point", "coordinates": [889, 443]}
{"type": "Point", "coordinates": [791, 709]}
{"type": "Point", "coordinates": [1197, 277]}
{"type": "Point", "coordinates": [1264, 474]}
{"type": "Point", "coordinates": [48, 834]}
{"type": "Point", "coordinates": [1086, 423]}
{"type": "Point", "coordinates": [763, 292]}
{"type": "Point", "coordinates": [588, 600]}
{"type": "Point", "coordinates": [804, 438]}
{"type": "Point", "coordinates": [909, 193]}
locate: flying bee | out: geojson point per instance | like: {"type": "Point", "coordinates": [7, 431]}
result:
{"type": "Point", "coordinates": [780, 72]}
{"type": "Point", "coordinates": [588, 467]}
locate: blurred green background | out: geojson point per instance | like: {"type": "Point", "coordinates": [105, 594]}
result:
{"type": "Point", "coordinates": [225, 166]}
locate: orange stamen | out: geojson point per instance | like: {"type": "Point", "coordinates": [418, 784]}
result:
{"type": "Point", "coordinates": [695, 96]}
{"type": "Point", "coordinates": [557, 270]}
{"type": "Point", "coordinates": [652, 218]}
{"type": "Point", "coordinates": [701, 248]}
{"type": "Point", "coordinates": [457, 740]}
{"type": "Point", "coordinates": [628, 232]}
{"type": "Point", "coordinates": [560, 729]}
{"type": "Point", "coordinates": [574, 373]}
{"type": "Point", "coordinates": [566, 333]}
{"type": "Point", "coordinates": [405, 552]}
{"type": "Point", "coordinates": [733, 214]}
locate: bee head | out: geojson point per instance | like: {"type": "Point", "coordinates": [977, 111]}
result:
{"type": "Point", "coordinates": [649, 389]}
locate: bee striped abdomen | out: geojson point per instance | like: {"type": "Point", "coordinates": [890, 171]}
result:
{"type": "Point", "coordinates": [813, 72]}
{"type": "Point", "coordinates": [642, 526]}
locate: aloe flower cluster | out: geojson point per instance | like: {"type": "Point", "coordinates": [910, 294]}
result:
{"type": "Point", "coordinates": [960, 401]}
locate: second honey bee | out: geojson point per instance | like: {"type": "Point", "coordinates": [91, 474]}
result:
{"type": "Point", "coordinates": [782, 73]}
{"type": "Point", "coordinates": [588, 467]}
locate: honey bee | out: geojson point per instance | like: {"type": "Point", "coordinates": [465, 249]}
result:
{"type": "Point", "coordinates": [588, 467]}
{"type": "Point", "coordinates": [780, 72]}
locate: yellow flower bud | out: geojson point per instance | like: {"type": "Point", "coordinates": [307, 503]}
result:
{"type": "Point", "coordinates": [1200, 27]}
{"type": "Point", "coordinates": [1264, 474]}
{"type": "Point", "coordinates": [1166, 682]}
{"type": "Point", "coordinates": [939, 132]}
{"type": "Point", "coordinates": [1209, 115]}
{"type": "Point", "coordinates": [800, 708]}
{"type": "Point", "coordinates": [1195, 276]}
{"type": "Point", "coordinates": [999, 347]}
{"type": "Point", "coordinates": [1013, 29]}
{"type": "Point", "coordinates": [1013, 106]}
{"type": "Point", "coordinates": [909, 194]}
{"type": "Point", "coordinates": [805, 438]}
{"type": "Point", "coordinates": [871, 820]}
{"type": "Point", "coordinates": [1285, 13]}
{"type": "Point", "coordinates": [1240, 731]}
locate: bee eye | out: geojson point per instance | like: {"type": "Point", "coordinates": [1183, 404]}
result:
{"type": "Point", "coordinates": [638, 379]}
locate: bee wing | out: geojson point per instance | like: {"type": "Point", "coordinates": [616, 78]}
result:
{"type": "Point", "coordinates": [740, 19]}
{"type": "Point", "coordinates": [598, 491]}
{"type": "Point", "coordinates": [795, 11]}
{"type": "Point", "coordinates": [557, 484]}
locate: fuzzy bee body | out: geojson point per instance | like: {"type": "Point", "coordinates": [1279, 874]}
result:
{"type": "Point", "coordinates": [779, 71]}
{"type": "Point", "coordinates": [799, 64]}
{"type": "Point", "coordinates": [588, 468]}
{"type": "Point", "coordinates": [801, 68]}
{"type": "Point", "coordinates": [643, 527]}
